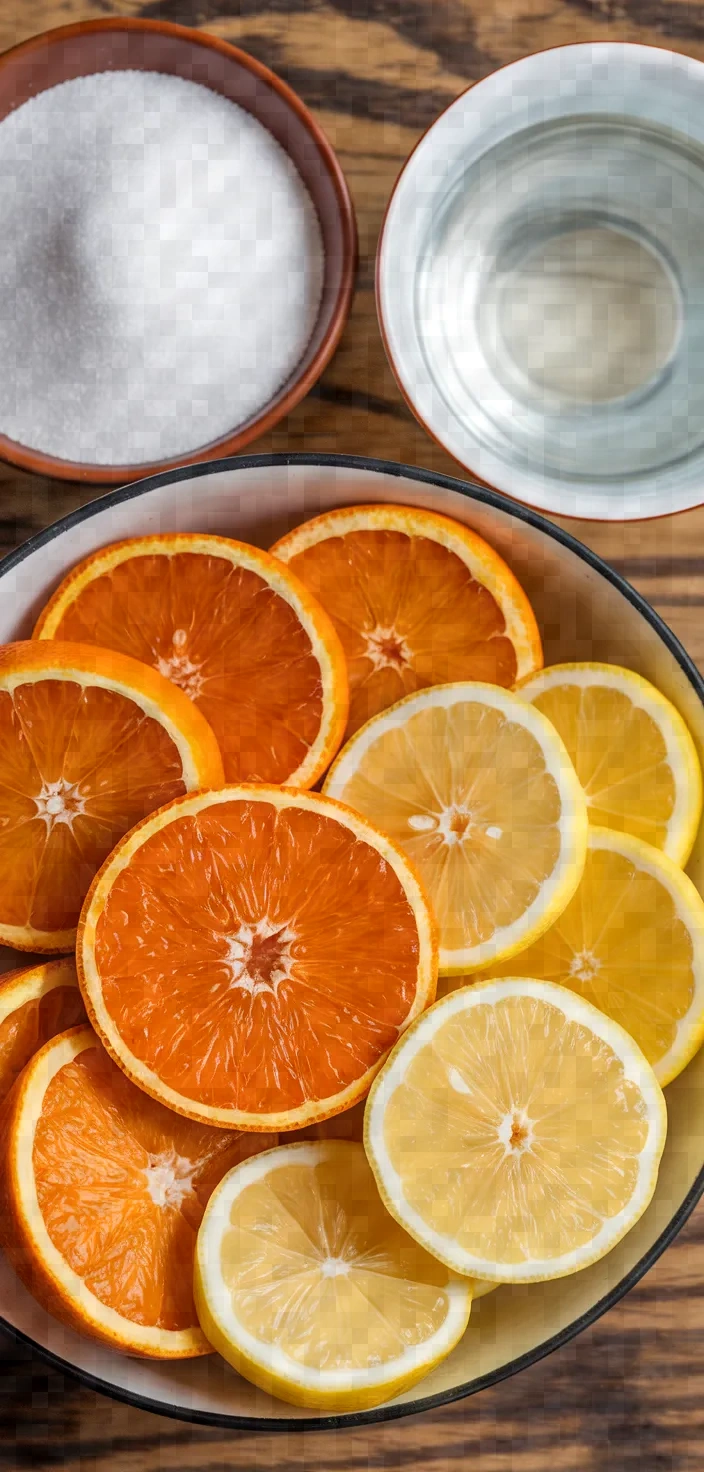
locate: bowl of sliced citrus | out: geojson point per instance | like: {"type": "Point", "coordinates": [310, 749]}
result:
{"type": "Point", "coordinates": [351, 863]}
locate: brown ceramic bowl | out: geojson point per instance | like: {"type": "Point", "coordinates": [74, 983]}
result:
{"type": "Point", "coordinates": [116, 45]}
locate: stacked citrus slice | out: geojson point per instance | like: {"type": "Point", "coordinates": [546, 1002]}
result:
{"type": "Point", "coordinates": [631, 941]}
{"type": "Point", "coordinates": [631, 749]}
{"type": "Point", "coordinates": [231, 626]}
{"type": "Point", "coordinates": [35, 1005]}
{"type": "Point", "coordinates": [103, 1194]}
{"type": "Point", "coordinates": [417, 600]}
{"type": "Point", "coordinates": [90, 741]}
{"type": "Point", "coordinates": [479, 791]}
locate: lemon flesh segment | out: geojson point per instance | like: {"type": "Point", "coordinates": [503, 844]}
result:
{"type": "Point", "coordinates": [484, 801]}
{"type": "Point", "coordinates": [308, 1286]}
{"type": "Point", "coordinates": [632, 942]}
{"type": "Point", "coordinates": [515, 1131]}
{"type": "Point", "coordinates": [632, 752]}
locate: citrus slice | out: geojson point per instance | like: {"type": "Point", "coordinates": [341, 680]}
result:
{"type": "Point", "coordinates": [35, 1004]}
{"type": "Point", "coordinates": [632, 942]}
{"type": "Point", "coordinates": [478, 789]}
{"type": "Point", "coordinates": [234, 628]}
{"type": "Point", "coordinates": [310, 1289]}
{"type": "Point", "coordinates": [90, 741]}
{"type": "Point", "coordinates": [516, 1131]}
{"type": "Point", "coordinates": [249, 956]}
{"type": "Point", "coordinates": [417, 599]}
{"type": "Point", "coordinates": [632, 752]}
{"type": "Point", "coordinates": [104, 1191]}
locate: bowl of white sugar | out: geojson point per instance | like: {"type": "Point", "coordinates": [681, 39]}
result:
{"type": "Point", "coordinates": [541, 281]}
{"type": "Point", "coordinates": [177, 250]}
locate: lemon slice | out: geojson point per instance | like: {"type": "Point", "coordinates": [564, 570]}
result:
{"type": "Point", "coordinates": [478, 789]}
{"type": "Point", "coordinates": [311, 1290]}
{"type": "Point", "coordinates": [632, 752]}
{"type": "Point", "coordinates": [515, 1131]}
{"type": "Point", "coordinates": [632, 942]}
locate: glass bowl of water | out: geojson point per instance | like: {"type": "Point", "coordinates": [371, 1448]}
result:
{"type": "Point", "coordinates": [541, 281]}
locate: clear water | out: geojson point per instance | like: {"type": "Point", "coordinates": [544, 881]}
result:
{"type": "Point", "coordinates": [561, 298]}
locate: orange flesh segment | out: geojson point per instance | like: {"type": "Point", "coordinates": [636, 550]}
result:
{"type": "Point", "coordinates": [26, 1029]}
{"type": "Point", "coordinates": [274, 958]}
{"type": "Point", "coordinates": [408, 613]}
{"type": "Point", "coordinates": [232, 643]}
{"type": "Point", "coordinates": [107, 764]}
{"type": "Point", "coordinates": [122, 1185]}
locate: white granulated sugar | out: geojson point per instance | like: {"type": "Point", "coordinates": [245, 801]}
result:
{"type": "Point", "coordinates": [161, 268]}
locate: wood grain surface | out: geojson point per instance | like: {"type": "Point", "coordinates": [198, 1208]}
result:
{"type": "Point", "coordinates": [629, 1393]}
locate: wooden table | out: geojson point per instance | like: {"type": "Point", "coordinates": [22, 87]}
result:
{"type": "Point", "coordinates": [629, 1393]}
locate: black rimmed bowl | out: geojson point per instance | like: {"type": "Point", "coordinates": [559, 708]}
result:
{"type": "Point", "coordinates": [586, 611]}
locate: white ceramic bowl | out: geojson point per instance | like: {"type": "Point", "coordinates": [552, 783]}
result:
{"type": "Point", "coordinates": [585, 611]}
{"type": "Point", "coordinates": [540, 281]}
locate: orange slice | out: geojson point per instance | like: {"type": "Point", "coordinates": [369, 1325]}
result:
{"type": "Point", "coordinates": [249, 956]}
{"type": "Point", "coordinates": [104, 1194]}
{"type": "Point", "coordinates": [90, 741]}
{"type": "Point", "coordinates": [35, 1004]}
{"type": "Point", "coordinates": [235, 629]}
{"type": "Point", "coordinates": [417, 600]}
